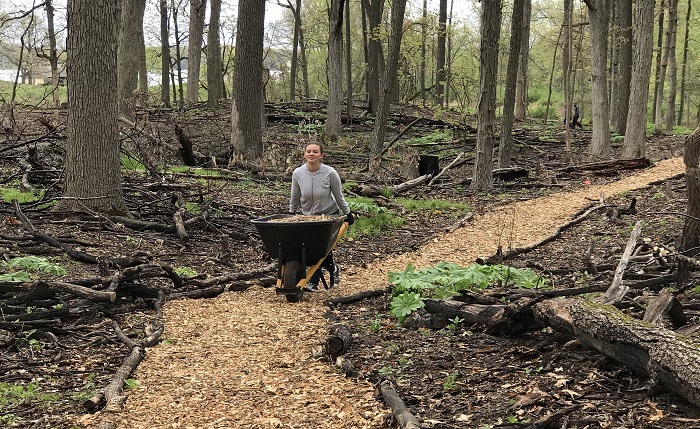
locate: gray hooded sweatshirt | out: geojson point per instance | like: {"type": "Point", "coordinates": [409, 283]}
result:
{"type": "Point", "coordinates": [317, 193]}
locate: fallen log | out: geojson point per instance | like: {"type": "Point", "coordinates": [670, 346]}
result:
{"type": "Point", "coordinates": [113, 392]}
{"type": "Point", "coordinates": [351, 299]}
{"type": "Point", "coordinates": [403, 417]}
{"type": "Point", "coordinates": [618, 289]}
{"type": "Point", "coordinates": [180, 226]}
{"type": "Point", "coordinates": [668, 358]}
{"type": "Point", "coordinates": [339, 340]}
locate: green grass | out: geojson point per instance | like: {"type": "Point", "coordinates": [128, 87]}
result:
{"type": "Point", "coordinates": [31, 95]}
{"type": "Point", "coordinates": [9, 194]}
{"type": "Point", "coordinates": [375, 225]}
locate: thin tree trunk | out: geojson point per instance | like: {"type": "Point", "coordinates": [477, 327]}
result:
{"type": "Point", "coordinates": [684, 64]}
{"type": "Point", "coordinates": [600, 140]}
{"type": "Point", "coordinates": [178, 54]}
{"type": "Point", "coordinates": [488, 76]}
{"type": "Point", "coordinates": [348, 64]}
{"type": "Point", "coordinates": [194, 48]}
{"type": "Point", "coordinates": [551, 75]}
{"type": "Point", "coordinates": [516, 32]}
{"type": "Point", "coordinates": [334, 68]}
{"type": "Point", "coordinates": [634, 145]}
{"type": "Point", "coordinates": [521, 88]}
{"type": "Point", "coordinates": [164, 54]}
{"type": "Point", "coordinates": [295, 48]}
{"type": "Point", "coordinates": [440, 55]}
{"type": "Point", "coordinates": [53, 52]}
{"type": "Point", "coordinates": [398, 9]}
{"type": "Point", "coordinates": [659, 55]}
{"type": "Point", "coordinates": [424, 36]}
{"type": "Point", "coordinates": [568, 10]}
{"type": "Point", "coordinates": [672, 65]}
{"type": "Point", "coordinates": [621, 105]}
{"type": "Point", "coordinates": [215, 78]}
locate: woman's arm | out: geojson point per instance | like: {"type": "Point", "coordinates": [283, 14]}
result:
{"type": "Point", "coordinates": [295, 196]}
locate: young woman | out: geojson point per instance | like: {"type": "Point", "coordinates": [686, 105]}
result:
{"type": "Point", "coordinates": [317, 190]}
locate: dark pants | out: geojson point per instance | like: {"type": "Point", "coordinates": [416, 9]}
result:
{"type": "Point", "coordinates": [327, 264]}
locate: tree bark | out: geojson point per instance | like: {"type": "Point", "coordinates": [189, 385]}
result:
{"type": "Point", "coordinates": [198, 9]}
{"type": "Point", "coordinates": [659, 53]}
{"type": "Point", "coordinates": [600, 140]}
{"type": "Point", "coordinates": [661, 77]}
{"type": "Point", "coordinates": [164, 54]}
{"type": "Point", "coordinates": [684, 64]}
{"type": "Point", "coordinates": [389, 77]}
{"type": "Point", "coordinates": [506, 145]}
{"type": "Point", "coordinates": [93, 169]}
{"type": "Point", "coordinates": [621, 100]}
{"type": "Point", "coordinates": [521, 87]}
{"type": "Point", "coordinates": [246, 131]}
{"type": "Point", "coordinates": [650, 351]}
{"type": "Point", "coordinates": [440, 54]}
{"type": "Point", "coordinates": [215, 78]}
{"type": "Point", "coordinates": [334, 68]}
{"type": "Point", "coordinates": [128, 55]}
{"type": "Point", "coordinates": [691, 229]}
{"type": "Point", "coordinates": [634, 145]}
{"type": "Point", "coordinates": [672, 65]}
{"type": "Point", "coordinates": [488, 75]}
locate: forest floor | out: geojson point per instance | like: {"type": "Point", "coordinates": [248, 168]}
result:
{"type": "Point", "coordinates": [247, 358]}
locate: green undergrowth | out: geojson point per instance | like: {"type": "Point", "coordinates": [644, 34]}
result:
{"type": "Point", "coordinates": [447, 279]}
{"type": "Point", "coordinates": [17, 396]}
{"type": "Point", "coordinates": [9, 194]}
{"type": "Point", "coordinates": [24, 268]}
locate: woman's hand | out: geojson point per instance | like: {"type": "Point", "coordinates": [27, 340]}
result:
{"type": "Point", "coordinates": [350, 218]}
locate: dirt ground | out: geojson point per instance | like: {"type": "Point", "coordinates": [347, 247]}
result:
{"type": "Point", "coordinates": [247, 358]}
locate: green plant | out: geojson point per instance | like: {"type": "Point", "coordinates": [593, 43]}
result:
{"type": "Point", "coordinates": [11, 395]}
{"type": "Point", "coordinates": [130, 383]}
{"type": "Point", "coordinates": [405, 303]}
{"type": "Point", "coordinates": [88, 389]}
{"type": "Point", "coordinates": [9, 194]}
{"type": "Point", "coordinates": [376, 325]}
{"type": "Point", "coordinates": [448, 279]}
{"type": "Point", "coordinates": [455, 321]}
{"type": "Point", "coordinates": [131, 163]}
{"type": "Point", "coordinates": [20, 265]}
{"type": "Point", "coordinates": [374, 225]}
{"type": "Point", "coordinates": [450, 382]}
{"type": "Point", "coordinates": [185, 272]}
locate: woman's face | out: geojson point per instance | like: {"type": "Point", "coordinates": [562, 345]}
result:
{"type": "Point", "coordinates": [313, 153]}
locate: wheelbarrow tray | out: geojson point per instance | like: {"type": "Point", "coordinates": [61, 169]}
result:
{"type": "Point", "coordinates": [289, 240]}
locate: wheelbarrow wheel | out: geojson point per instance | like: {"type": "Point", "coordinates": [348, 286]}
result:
{"type": "Point", "coordinates": [293, 272]}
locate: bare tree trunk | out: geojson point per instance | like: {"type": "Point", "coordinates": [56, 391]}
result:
{"type": "Point", "coordinates": [448, 57]}
{"type": "Point", "coordinates": [551, 74]}
{"type": "Point", "coordinates": [348, 64]}
{"type": "Point", "coordinates": [128, 54]}
{"type": "Point", "coordinates": [334, 68]}
{"type": "Point", "coordinates": [659, 52]}
{"type": "Point", "coordinates": [634, 145]}
{"type": "Point", "coordinates": [516, 32]}
{"type": "Point", "coordinates": [488, 75]}
{"type": "Point", "coordinates": [304, 65]}
{"type": "Point", "coordinates": [92, 182]}
{"type": "Point", "coordinates": [690, 244]}
{"type": "Point", "coordinates": [600, 140]}
{"type": "Point", "coordinates": [439, 97]}
{"type": "Point", "coordinates": [672, 66]}
{"type": "Point", "coordinates": [398, 9]}
{"type": "Point", "coordinates": [295, 48]}
{"type": "Point", "coordinates": [246, 131]}
{"type": "Point", "coordinates": [661, 82]}
{"type": "Point", "coordinates": [424, 36]}
{"type": "Point", "coordinates": [53, 52]}
{"type": "Point", "coordinates": [621, 98]}
{"type": "Point", "coordinates": [568, 11]}
{"type": "Point", "coordinates": [164, 54]}
{"type": "Point", "coordinates": [215, 76]}
{"type": "Point", "coordinates": [143, 71]}
{"type": "Point", "coordinates": [178, 55]}
{"type": "Point", "coordinates": [373, 11]}
{"type": "Point", "coordinates": [684, 65]}
{"type": "Point", "coordinates": [521, 87]}
{"type": "Point", "coordinates": [194, 48]}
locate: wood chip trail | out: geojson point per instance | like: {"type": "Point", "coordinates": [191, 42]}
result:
{"type": "Point", "coordinates": [251, 359]}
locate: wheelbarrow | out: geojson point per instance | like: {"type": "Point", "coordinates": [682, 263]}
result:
{"type": "Point", "coordinates": [301, 248]}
